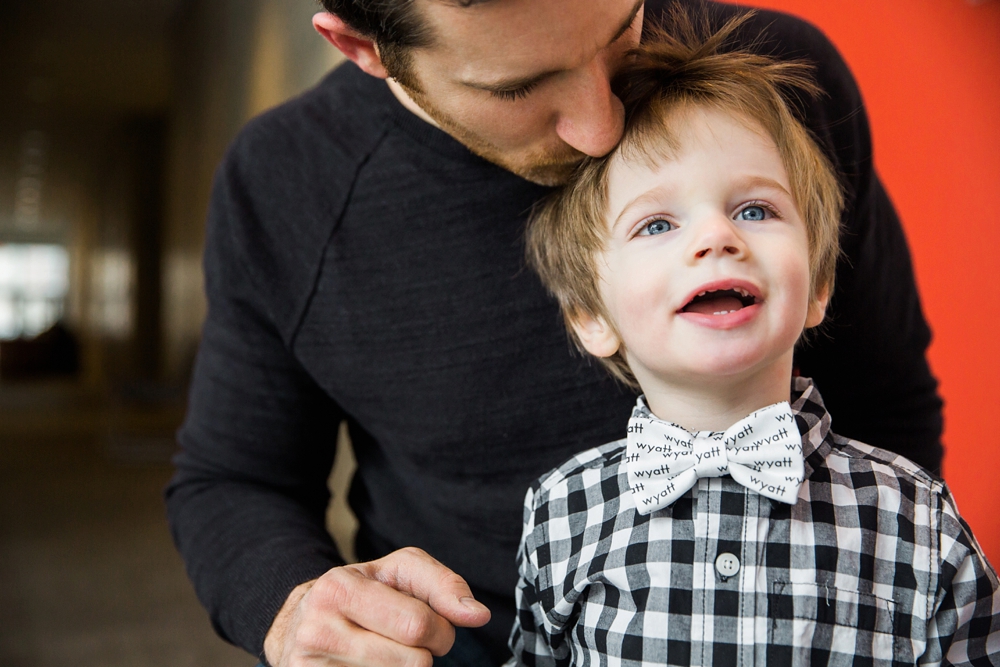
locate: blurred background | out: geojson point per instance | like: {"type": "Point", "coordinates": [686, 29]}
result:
{"type": "Point", "coordinates": [113, 116]}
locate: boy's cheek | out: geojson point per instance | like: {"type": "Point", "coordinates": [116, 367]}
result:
{"type": "Point", "coordinates": [640, 307]}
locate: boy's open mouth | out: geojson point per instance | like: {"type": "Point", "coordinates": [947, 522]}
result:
{"type": "Point", "coordinates": [720, 302]}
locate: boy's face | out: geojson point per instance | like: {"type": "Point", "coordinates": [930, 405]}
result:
{"type": "Point", "coordinates": [705, 272]}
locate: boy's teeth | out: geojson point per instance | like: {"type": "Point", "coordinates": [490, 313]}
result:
{"type": "Point", "coordinates": [739, 290]}
{"type": "Point", "coordinates": [727, 301]}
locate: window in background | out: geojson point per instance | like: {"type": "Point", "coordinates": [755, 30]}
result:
{"type": "Point", "coordinates": [112, 284]}
{"type": "Point", "coordinates": [34, 280]}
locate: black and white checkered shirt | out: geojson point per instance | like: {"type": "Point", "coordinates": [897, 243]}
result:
{"type": "Point", "coordinates": [871, 566]}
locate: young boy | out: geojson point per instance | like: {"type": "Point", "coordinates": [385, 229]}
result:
{"type": "Point", "coordinates": [730, 526]}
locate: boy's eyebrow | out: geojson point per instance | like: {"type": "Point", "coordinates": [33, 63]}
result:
{"type": "Point", "coordinates": [652, 196]}
{"type": "Point", "coordinates": [515, 83]}
{"type": "Point", "coordinates": [763, 182]}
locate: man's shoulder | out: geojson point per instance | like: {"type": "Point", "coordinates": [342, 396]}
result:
{"type": "Point", "coordinates": [334, 125]}
{"type": "Point", "coordinates": [282, 187]}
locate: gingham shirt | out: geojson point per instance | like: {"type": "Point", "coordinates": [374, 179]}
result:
{"type": "Point", "coordinates": [871, 566]}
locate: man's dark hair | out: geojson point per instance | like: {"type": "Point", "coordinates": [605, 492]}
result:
{"type": "Point", "coordinates": [395, 28]}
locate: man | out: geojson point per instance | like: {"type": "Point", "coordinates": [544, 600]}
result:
{"type": "Point", "coordinates": [364, 262]}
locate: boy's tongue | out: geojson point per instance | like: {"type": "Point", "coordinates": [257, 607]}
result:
{"type": "Point", "coordinates": [710, 304]}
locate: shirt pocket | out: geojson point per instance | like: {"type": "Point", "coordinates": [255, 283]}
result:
{"type": "Point", "coordinates": [816, 624]}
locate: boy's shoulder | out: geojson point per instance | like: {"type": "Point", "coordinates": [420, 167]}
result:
{"type": "Point", "coordinates": [849, 454]}
{"type": "Point", "coordinates": [593, 467]}
{"type": "Point", "coordinates": [836, 462]}
{"type": "Point", "coordinates": [876, 477]}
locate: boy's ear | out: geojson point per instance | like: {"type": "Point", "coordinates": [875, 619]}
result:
{"type": "Point", "coordinates": [356, 47]}
{"type": "Point", "coordinates": [817, 308]}
{"type": "Point", "coordinates": [595, 334]}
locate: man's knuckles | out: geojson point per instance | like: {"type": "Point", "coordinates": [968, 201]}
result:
{"type": "Point", "coordinates": [339, 642]}
{"type": "Point", "coordinates": [318, 636]}
{"type": "Point", "coordinates": [336, 591]}
{"type": "Point", "coordinates": [348, 595]}
{"type": "Point", "coordinates": [396, 569]}
{"type": "Point", "coordinates": [415, 553]}
{"type": "Point", "coordinates": [422, 627]}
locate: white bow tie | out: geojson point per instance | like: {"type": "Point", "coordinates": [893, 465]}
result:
{"type": "Point", "coordinates": [763, 452]}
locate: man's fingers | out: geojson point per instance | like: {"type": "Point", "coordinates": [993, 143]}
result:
{"type": "Point", "coordinates": [337, 641]}
{"type": "Point", "coordinates": [383, 610]}
{"type": "Point", "coordinates": [414, 572]}
{"type": "Point", "coordinates": [396, 611]}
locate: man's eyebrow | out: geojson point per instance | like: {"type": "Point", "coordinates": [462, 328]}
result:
{"type": "Point", "coordinates": [516, 83]}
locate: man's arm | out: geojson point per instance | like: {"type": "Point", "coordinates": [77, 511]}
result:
{"type": "Point", "coordinates": [247, 505]}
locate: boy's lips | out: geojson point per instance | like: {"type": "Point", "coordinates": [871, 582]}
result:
{"type": "Point", "coordinates": [722, 304]}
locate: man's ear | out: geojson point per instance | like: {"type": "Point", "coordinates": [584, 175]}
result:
{"type": "Point", "coordinates": [817, 308]}
{"type": "Point", "coordinates": [595, 334]}
{"type": "Point", "coordinates": [359, 49]}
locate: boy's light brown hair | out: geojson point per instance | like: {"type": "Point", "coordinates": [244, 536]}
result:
{"type": "Point", "coordinates": [684, 67]}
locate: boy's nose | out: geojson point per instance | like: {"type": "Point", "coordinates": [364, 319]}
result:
{"type": "Point", "coordinates": [717, 237]}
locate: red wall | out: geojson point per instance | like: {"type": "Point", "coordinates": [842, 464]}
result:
{"type": "Point", "coordinates": [930, 74]}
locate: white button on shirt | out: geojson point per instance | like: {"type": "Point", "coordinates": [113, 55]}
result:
{"type": "Point", "coordinates": [727, 564]}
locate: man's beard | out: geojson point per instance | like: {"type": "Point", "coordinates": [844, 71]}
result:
{"type": "Point", "coordinates": [548, 167]}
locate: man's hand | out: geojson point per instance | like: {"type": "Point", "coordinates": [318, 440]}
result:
{"type": "Point", "coordinates": [398, 610]}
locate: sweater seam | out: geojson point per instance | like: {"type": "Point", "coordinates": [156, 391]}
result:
{"type": "Point", "coordinates": [314, 286]}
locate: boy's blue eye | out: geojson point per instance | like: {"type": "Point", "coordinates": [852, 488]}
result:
{"type": "Point", "coordinates": [754, 213]}
{"type": "Point", "coordinates": [656, 227]}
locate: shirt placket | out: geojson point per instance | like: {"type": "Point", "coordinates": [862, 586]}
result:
{"type": "Point", "coordinates": [727, 522]}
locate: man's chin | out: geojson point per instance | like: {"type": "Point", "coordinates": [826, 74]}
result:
{"type": "Point", "coordinates": [546, 167]}
{"type": "Point", "coordinates": [549, 167]}
{"type": "Point", "coordinates": [549, 175]}
{"type": "Point", "coordinates": [547, 170]}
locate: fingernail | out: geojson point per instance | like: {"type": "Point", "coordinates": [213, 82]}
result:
{"type": "Point", "coordinates": [473, 604]}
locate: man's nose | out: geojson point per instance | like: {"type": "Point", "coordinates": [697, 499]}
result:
{"type": "Point", "coordinates": [591, 118]}
{"type": "Point", "coordinates": [716, 236]}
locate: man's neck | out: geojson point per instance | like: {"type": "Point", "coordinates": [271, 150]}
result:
{"type": "Point", "coordinates": [407, 101]}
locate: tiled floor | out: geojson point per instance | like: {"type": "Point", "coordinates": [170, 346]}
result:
{"type": "Point", "coordinates": [88, 574]}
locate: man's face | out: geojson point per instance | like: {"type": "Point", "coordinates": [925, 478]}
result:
{"type": "Point", "coordinates": [525, 83]}
{"type": "Point", "coordinates": [705, 273]}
